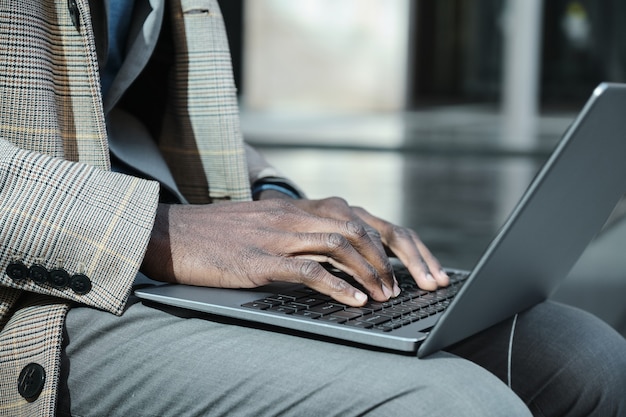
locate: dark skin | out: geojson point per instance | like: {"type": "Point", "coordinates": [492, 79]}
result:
{"type": "Point", "coordinates": [249, 244]}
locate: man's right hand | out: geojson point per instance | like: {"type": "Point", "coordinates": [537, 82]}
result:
{"type": "Point", "coordinates": [249, 244]}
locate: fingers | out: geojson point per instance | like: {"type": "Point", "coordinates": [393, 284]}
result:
{"type": "Point", "coordinates": [344, 251]}
{"type": "Point", "coordinates": [360, 235]}
{"type": "Point", "coordinates": [372, 234]}
{"type": "Point", "coordinates": [313, 275]}
{"type": "Point", "coordinates": [423, 266]}
{"type": "Point", "coordinates": [287, 231]}
{"type": "Point", "coordinates": [412, 252]}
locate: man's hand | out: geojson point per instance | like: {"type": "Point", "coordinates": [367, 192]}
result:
{"type": "Point", "coordinates": [394, 240]}
{"type": "Point", "coordinates": [244, 245]}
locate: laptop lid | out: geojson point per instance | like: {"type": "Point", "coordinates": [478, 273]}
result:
{"type": "Point", "coordinates": [564, 207]}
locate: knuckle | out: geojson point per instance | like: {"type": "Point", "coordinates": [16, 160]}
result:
{"type": "Point", "coordinates": [401, 233]}
{"type": "Point", "coordinates": [336, 241]}
{"type": "Point", "coordinates": [374, 234]}
{"type": "Point", "coordinates": [336, 204]}
{"type": "Point", "coordinates": [356, 229]}
{"type": "Point", "coordinates": [335, 201]}
{"type": "Point", "coordinates": [312, 274]}
{"type": "Point", "coordinates": [309, 271]}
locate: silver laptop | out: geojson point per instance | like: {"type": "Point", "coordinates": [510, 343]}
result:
{"type": "Point", "coordinates": [564, 207]}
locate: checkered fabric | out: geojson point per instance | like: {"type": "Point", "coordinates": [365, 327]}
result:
{"type": "Point", "coordinates": [60, 205]}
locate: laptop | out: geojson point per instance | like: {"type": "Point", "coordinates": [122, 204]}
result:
{"type": "Point", "coordinates": [564, 207]}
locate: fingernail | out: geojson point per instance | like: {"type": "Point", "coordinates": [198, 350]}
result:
{"type": "Point", "coordinates": [396, 289]}
{"type": "Point", "coordinates": [387, 292]}
{"type": "Point", "coordinates": [430, 277]}
{"type": "Point", "coordinates": [443, 273]}
{"type": "Point", "coordinates": [360, 297]}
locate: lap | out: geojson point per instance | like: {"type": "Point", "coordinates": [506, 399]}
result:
{"type": "Point", "coordinates": [559, 359]}
{"type": "Point", "coordinates": [152, 361]}
{"type": "Point", "coordinates": [157, 361]}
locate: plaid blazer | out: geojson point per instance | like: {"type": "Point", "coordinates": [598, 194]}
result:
{"type": "Point", "coordinates": [61, 208]}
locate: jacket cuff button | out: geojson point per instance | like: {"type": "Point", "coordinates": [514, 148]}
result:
{"type": "Point", "coordinates": [59, 278]}
{"type": "Point", "coordinates": [31, 381]}
{"type": "Point", "coordinates": [39, 274]}
{"type": "Point", "coordinates": [80, 284]}
{"type": "Point", "coordinates": [17, 271]}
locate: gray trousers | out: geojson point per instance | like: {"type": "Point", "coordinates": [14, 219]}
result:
{"type": "Point", "coordinates": [552, 360]}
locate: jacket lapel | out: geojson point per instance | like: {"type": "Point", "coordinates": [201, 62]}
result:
{"type": "Point", "coordinates": [59, 115]}
{"type": "Point", "coordinates": [142, 39]}
{"type": "Point", "coordinates": [201, 132]}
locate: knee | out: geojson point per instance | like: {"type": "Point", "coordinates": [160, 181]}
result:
{"type": "Point", "coordinates": [482, 399]}
{"type": "Point", "coordinates": [589, 378]}
{"type": "Point", "coordinates": [604, 370]}
{"type": "Point", "coordinates": [464, 390]}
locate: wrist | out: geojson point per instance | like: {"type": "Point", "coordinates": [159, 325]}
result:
{"type": "Point", "coordinates": [274, 188]}
{"type": "Point", "coordinates": [157, 262]}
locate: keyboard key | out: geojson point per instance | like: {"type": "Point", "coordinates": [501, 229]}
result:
{"type": "Point", "coordinates": [327, 308]}
{"type": "Point", "coordinates": [359, 324]}
{"type": "Point", "coordinates": [282, 298]}
{"type": "Point", "coordinates": [347, 314]}
{"type": "Point", "coordinates": [430, 310]}
{"type": "Point", "coordinates": [308, 313]}
{"type": "Point", "coordinates": [310, 301]}
{"type": "Point", "coordinates": [282, 309]}
{"type": "Point", "coordinates": [374, 319]}
{"type": "Point", "coordinates": [269, 301]}
{"type": "Point", "coordinates": [375, 305]}
{"type": "Point", "coordinates": [418, 303]}
{"type": "Point", "coordinates": [296, 306]}
{"type": "Point", "coordinates": [256, 305]}
{"type": "Point", "coordinates": [360, 310]}
{"type": "Point", "coordinates": [332, 318]}
{"type": "Point", "coordinates": [411, 305]}
{"type": "Point", "coordinates": [389, 326]}
{"type": "Point", "coordinates": [397, 310]}
{"type": "Point", "coordinates": [431, 296]}
{"type": "Point", "coordinates": [415, 316]}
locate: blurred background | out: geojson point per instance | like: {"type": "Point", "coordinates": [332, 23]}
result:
{"type": "Point", "coordinates": [434, 114]}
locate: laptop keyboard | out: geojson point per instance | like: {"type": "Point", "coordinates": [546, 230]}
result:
{"type": "Point", "coordinates": [411, 305]}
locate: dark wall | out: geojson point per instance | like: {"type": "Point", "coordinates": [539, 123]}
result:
{"type": "Point", "coordinates": [456, 50]}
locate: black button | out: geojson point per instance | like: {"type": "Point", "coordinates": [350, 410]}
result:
{"type": "Point", "coordinates": [59, 278]}
{"type": "Point", "coordinates": [31, 381]}
{"type": "Point", "coordinates": [80, 284]}
{"type": "Point", "coordinates": [39, 274]}
{"type": "Point", "coordinates": [17, 271]}
{"type": "Point", "coordinates": [74, 13]}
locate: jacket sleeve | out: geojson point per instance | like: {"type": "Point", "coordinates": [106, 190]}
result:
{"type": "Point", "coordinates": [71, 230]}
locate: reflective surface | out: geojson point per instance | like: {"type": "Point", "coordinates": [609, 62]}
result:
{"type": "Point", "coordinates": [455, 203]}
{"type": "Point", "coordinates": [443, 172]}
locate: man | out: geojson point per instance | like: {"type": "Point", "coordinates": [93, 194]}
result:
{"type": "Point", "coordinates": [75, 232]}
